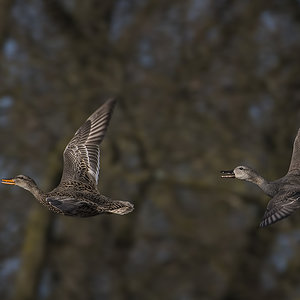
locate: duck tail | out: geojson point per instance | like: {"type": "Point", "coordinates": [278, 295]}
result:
{"type": "Point", "coordinates": [121, 207]}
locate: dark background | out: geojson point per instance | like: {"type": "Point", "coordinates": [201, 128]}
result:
{"type": "Point", "coordinates": [202, 86]}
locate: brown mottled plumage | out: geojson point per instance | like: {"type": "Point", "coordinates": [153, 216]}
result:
{"type": "Point", "coordinates": [77, 194]}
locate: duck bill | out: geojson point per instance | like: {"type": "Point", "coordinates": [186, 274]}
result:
{"type": "Point", "coordinates": [228, 174]}
{"type": "Point", "coordinates": [8, 181]}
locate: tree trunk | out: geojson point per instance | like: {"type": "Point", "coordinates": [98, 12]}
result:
{"type": "Point", "coordinates": [33, 253]}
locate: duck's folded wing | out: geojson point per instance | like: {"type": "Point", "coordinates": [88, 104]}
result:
{"type": "Point", "coordinates": [82, 154]}
{"type": "Point", "coordinates": [73, 207]}
{"type": "Point", "coordinates": [295, 160]}
{"type": "Point", "coordinates": [280, 207]}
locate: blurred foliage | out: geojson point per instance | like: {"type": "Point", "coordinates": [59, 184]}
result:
{"type": "Point", "coordinates": [202, 86]}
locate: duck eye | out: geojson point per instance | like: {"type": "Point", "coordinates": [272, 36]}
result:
{"type": "Point", "coordinates": [241, 168]}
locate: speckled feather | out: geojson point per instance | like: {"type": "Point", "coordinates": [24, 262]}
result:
{"type": "Point", "coordinates": [77, 194]}
{"type": "Point", "coordinates": [82, 154]}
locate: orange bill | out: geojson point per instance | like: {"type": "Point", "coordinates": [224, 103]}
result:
{"type": "Point", "coordinates": [8, 181]}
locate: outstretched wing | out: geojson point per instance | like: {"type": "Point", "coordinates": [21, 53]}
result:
{"type": "Point", "coordinates": [295, 160]}
{"type": "Point", "coordinates": [280, 207]}
{"type": "Point", "coordinates": [82, 154]}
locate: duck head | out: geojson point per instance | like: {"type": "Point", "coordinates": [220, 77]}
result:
{"type": "Point", "coordinates": [22, 181]}
{"type": "Point", "coordinates": [240, 172]}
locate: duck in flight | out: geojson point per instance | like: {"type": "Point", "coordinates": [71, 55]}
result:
{"type": "Point", "coordinates": [77, 194]}
{"type": "Point", "coordinates": [285, 192]}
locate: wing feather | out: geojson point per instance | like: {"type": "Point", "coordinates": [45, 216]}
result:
{"type": "Point", "coordinates": [280, 207]}
{"type": "Point", "coordinates": [82, 154]}
{"type": "Point", "coordinates": [295, 160]}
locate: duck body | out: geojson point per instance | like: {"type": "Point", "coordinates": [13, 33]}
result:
{"type": "Point", "coordinates": [77, 194]}
{"type": "Point", "coordinates": [82, 200]}
{"type": "Point", "coordinates": [285, 184]}
{"type": "Point", "coordinates": [285, 191]}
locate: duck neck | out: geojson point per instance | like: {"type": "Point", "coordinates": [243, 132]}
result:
{"type": "Point", "coordinates": [37, 193]}
{"type": "Point", "coordinates": [263, 184]}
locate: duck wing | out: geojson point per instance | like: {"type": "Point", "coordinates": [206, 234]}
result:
{"type": "Point", "coordinates": [82, 154]}
{"type": "Point", "coordinates": [280, 207]}
{"type": "Point", "coordinates": [71, 206]}
{"type": "Point", "coordinates": [295, 160]}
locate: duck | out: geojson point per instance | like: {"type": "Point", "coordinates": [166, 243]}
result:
{"type": "Point", "coordinates": [77, 194]}
{"type": "Point", "coordinates": [284, 192]}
